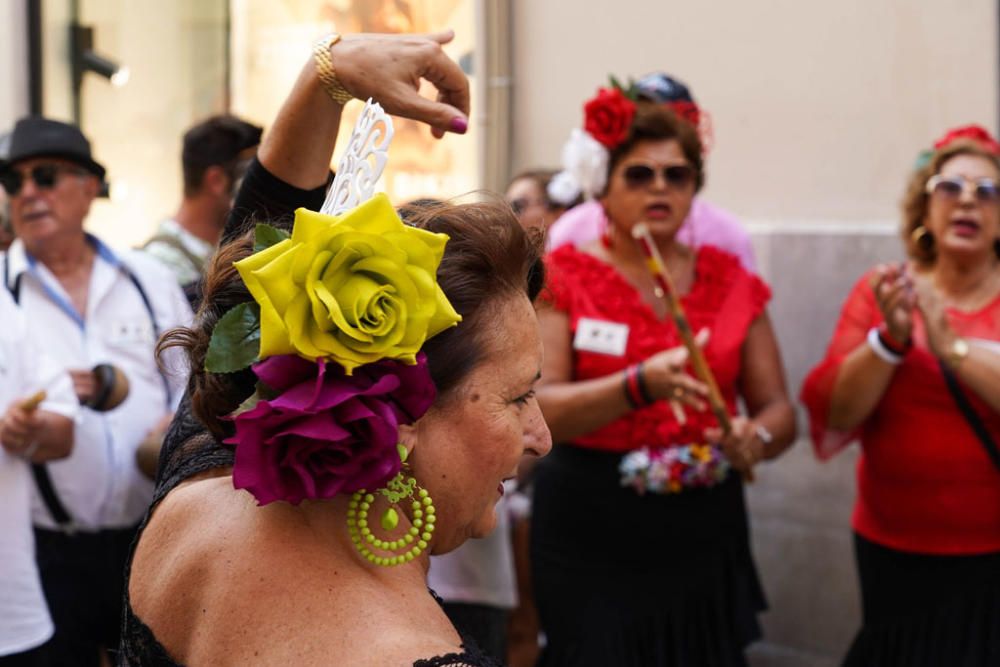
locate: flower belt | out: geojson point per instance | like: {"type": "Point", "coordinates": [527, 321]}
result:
{"type": "Point", "coordinates": [673, 469]}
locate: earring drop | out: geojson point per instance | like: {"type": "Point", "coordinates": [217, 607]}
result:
{"type": "Point", "coordinates": [399, 489]}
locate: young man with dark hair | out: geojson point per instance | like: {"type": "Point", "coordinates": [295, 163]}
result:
{"type": "Point", "coordinates": [215, 156]}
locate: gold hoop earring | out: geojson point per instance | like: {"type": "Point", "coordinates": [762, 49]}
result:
{"type": "Point", "coordinates": [922, 238]}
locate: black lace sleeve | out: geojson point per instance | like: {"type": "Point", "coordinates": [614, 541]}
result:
{"type": "Point", "coordinates": [265, 197]}
{"type": "Point", "coordinates": [188, 448]}
{"type": "Point", "coordinates": [471, 656]}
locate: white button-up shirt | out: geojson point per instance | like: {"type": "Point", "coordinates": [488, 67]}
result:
{"type": "Point", "coordinates": [100, 484]}
{"type": "Point", "coordinates": [24, 616]}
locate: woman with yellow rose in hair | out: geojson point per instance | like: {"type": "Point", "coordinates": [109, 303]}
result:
{"type": "Point", "coordinates": [371, 424]}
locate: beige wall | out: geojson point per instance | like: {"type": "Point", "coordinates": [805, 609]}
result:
{"type": "Point", "coordinates": [13, 63]}
{"type": "Point", "coordinates": [819, 108]}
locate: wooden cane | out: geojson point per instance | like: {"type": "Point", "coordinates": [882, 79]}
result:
{"type": "Point", "coordinates": [31, 403]}
{"type": "Point", "coordinates": [666, 291]}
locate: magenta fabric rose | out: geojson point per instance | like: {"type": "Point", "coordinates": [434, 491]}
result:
{"type": "Point", "coordinates": [326, 432]}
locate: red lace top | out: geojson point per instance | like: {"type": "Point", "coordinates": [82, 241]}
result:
{"type": "Point", "coordinates": [724, 297]}
{"type": "Point", "coordinates": [925, 483]}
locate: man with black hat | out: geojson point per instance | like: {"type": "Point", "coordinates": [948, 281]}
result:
{"type": "Point", "coordinates": [215, 155]}
{"type": "Point", "coordinates": [86, 305]}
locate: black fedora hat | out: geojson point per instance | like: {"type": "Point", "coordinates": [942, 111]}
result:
{"type": "Point", "coordinates": [35, 136]}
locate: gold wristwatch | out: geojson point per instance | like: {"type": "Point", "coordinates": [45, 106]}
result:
{"type": "Point", "coordinates": [957, 352]}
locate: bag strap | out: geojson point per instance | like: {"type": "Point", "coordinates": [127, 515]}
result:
{"type": "Point", "coordinates": [51, 499]}
{"type": "Point", "coordinates": [39, 471]}
{"type": "Point", "coordinates": [195, 262]}
{"type": "Point", "coordinates": [970, 414]}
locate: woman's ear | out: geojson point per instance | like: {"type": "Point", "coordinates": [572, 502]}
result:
{"type": "Point", "coordinates": [408, 437]}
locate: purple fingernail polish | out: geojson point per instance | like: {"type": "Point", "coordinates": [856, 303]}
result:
{"type": "Point", "coordinates": [459, 125]}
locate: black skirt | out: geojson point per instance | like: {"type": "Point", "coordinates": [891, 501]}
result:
{"type": "Point", "coordinates": [628, 580]}
{"type": "Point", "coordinates": [923, 610]}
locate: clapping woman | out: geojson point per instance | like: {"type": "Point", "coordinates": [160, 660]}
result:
{"type": "Point", "coordinates": [640, 545]}
{"type": "Point", "coordinates": [299, 500]}
{"type": "Point", "coordinates": [913, 372]}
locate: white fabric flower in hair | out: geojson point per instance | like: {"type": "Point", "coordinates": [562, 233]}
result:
{"type": "Point", "coordinates": [585, 168]}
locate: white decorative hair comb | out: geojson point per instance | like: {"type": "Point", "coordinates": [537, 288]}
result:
{"type": "Point", "coordinates": [363, 162]}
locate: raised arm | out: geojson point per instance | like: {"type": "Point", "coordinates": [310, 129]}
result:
{"type": "Point", "coordinates": [864, 376]}
{"type": "Point", "coordinates": [294, 158]}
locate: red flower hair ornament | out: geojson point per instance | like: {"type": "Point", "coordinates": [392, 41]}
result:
{"type": "Point", "coordinates": [976, 133]}
{"type": "Point", "coordinates": [608, 117]}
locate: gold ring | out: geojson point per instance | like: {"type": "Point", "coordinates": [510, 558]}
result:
{"type": "Point", "coordinates": [678, 392]}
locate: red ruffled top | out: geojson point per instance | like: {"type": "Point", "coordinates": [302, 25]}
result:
{"type": "Point", "coordinates": [925, 482]}
{"type": "Point", "coordinates": [724, 297]}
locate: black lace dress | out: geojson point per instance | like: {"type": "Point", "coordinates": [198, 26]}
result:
{"type": "Point", "coordinates": [189, 449]}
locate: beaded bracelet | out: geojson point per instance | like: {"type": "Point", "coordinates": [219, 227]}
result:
{"type": "Point", "coordinates": [633, 401]}
{"type": "Point", "coordinates": [636, 392]}
{"type": "Point", "coordinates": [891, 343]}
{"type": "Point", "coordinates": [881, 350]}
{"type": "Point", "coordinates": [647, 398]}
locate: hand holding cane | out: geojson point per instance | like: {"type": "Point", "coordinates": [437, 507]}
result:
{"type": "Point", "coordinates": [666, 291]}
{"type": "Point", "coordinates": [16, 432]}
{"type": "Point", "coordinates": [31, 403]}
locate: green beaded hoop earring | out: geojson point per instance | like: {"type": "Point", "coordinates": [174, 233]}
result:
{"type": "Point", "coordinates": [397, 490]}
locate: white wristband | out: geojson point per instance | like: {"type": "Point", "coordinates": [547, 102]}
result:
{"type": "Point", "coordinates": [880, 350]}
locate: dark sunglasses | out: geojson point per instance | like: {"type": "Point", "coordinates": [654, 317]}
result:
{"type": "Point", "coordinates": [642, 175]}
{"type": "Point", "coordinates": [44, 176]}
{"type": "Point", "coordinates": [986, 190]}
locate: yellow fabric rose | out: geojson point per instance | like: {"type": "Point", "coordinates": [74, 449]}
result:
{"type": "Point", "coordinates": [354, 288]}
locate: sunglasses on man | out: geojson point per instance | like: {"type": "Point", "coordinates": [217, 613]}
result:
{"type": "Point", "coordinates": [985, 190]}
{"type": "Point", "coordinates": [44, 176]}
{"type": "Point", "coordinates": [678, 176]}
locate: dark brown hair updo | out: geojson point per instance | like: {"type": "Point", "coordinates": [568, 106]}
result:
{"type": "Point", "coordinates": [916, 201]}
{"type": "Point", "coordinates": [488, 258]}
{"type": "Point", "coordinates": [657, 122]}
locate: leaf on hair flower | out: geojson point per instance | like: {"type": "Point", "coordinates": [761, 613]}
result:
{"type": "Point", "coordinates": [265, 236]}
{"type": "Point", "coordinates": [235, 342]}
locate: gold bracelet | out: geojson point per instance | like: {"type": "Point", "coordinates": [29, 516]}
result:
{"type": "Point", "coordinates": [324, 70]}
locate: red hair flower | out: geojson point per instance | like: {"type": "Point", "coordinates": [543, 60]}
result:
{"type": "Point", "coordinates": [608, 117]}
{"type": "Point", "coordinates": [976, 133]}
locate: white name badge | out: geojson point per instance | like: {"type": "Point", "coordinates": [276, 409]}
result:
{"type": "Point", "coordinates": [601, 337]}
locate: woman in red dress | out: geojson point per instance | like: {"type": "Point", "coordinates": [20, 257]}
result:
{"type": "Point", "coordinates": [927, 516]}
{"type": "Point", "coordinates": [640, 548]}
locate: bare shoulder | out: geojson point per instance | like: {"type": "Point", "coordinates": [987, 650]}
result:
{"type": "Point", "coordinates": [198, 578]}
{"type": "Point", "coordinates": [221, 581]}
{"type": "Point", "coordinates": [173, 563]}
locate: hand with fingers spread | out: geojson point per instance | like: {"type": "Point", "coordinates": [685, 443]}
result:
{"type": "Point", "coordinates": [389, 69]}
{"type": "Point", "coordinates": [665, 377]}
{"type": "Point", "coordinates": [896, 299]}
{"type": "Point", "coordinates": [742, 445]}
